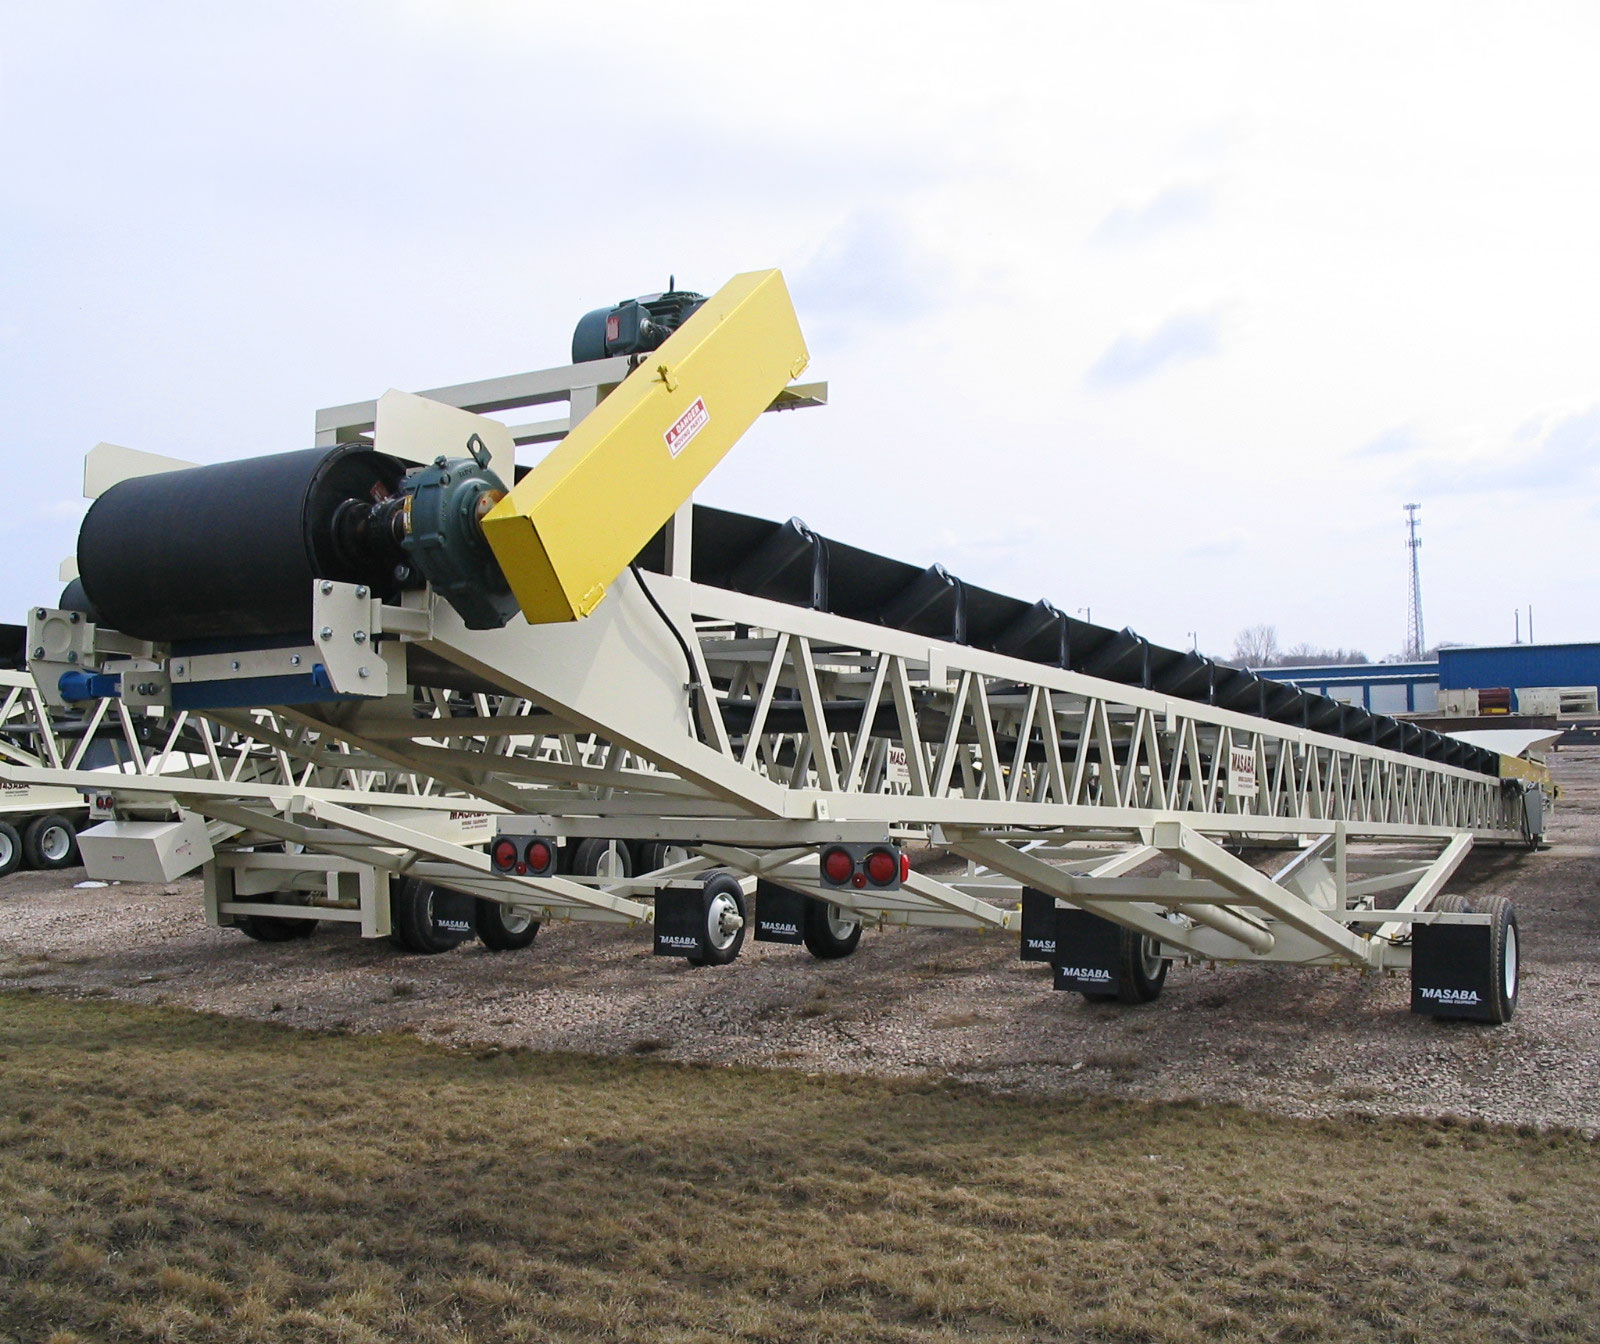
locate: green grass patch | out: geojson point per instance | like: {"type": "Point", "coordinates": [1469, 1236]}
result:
{"type": "Point", "coordinates": [165, 1175]}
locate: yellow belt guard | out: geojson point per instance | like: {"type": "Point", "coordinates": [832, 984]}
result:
{"type": "Point", "coordinates": [573, 523]}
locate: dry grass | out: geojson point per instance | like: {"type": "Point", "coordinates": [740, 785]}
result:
{"type": "Point", "coordinates": [170, 1176]}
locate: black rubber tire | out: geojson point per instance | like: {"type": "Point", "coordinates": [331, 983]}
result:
{"type": "Point", "coordinates": [502, 929]}
{"type": "Point", "coordinates": [50, 842]}
{"type": "Point", "coordinates": [719, 888]}
{"type": "Point", "coordinates": [590, 855]}
{"type": "Point", "coordinates": [1451, 904]}
{"type": "Point", "coordinates": [821, 940]}
{"type": "Point", "coordinates": [654, 854]}
{"type": "Point", "coordinates": [1505, 947]}
{"type": "Point", "coordinates": [1140, 974]}
{"type": "Point", "coordinates": [10, 849]}
{"type": "Point", "coordinates": [411, 919]}
{"type": "Point", "coordinates": [272, 929]}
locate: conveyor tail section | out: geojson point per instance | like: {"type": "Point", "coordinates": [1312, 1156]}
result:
{"type": "Point", "coordinates": [574, 522]}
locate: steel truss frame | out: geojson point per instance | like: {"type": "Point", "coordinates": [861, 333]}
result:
{"type": "Point", "coordinates": [794, 728]}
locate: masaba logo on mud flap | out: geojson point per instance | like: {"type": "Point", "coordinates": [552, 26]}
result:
{"type": "Point", "coordinates": [676, 940]}
{"type": "Point", "coordinates": [1451, 995]}
{"type": "Point", "coordinates": [1086, 973]}
{"type": "Point", "coordinates": [777, 926]}
{"type": "Point", "coordinates": [1041, 944]}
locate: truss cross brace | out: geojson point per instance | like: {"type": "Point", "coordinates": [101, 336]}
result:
{"type": "Point", "coordinates": [1206, 856]}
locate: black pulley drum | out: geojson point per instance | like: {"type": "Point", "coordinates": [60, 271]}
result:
{"type": "Point", "coordinates": [232, 549]}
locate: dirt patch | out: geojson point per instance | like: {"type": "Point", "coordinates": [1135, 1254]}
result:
{"type": "Point", "coordinates": [919, 1002]}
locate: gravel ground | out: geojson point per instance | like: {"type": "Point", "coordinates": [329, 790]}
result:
{"type": "Point", "coordinates": [957, 1005]}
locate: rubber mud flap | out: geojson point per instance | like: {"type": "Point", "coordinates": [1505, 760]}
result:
{"type": "Point", "coordinates": [780, 914]}
{"type": "Point", "coordinates": [1038, 926]}
{"type": "Point", "coordinates": [1088, 953]}
{"type": "Point", "coordinates": [1451, 971]}
{"type": "Point", "coordinates": [679, 917]}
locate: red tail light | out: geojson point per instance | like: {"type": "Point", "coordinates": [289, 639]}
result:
{"type": "Point", "coordinates": [837, 865]}
{"type": "Point", "coordinates": [504, 855]}
{"type": "Point", "coordinates": [881, 867]}
{"type": "Point", "coordinates": [538, 856]}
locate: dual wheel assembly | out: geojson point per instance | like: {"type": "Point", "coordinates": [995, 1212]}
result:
{"type": "Point", "coordinates": [46, 842]}
{"type": "Point", "coordinates": [424, 918]}
{"type": "Point", "coordinates": [707, 926]}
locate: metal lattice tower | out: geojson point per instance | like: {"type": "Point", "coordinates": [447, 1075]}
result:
{"type": "Point", "coordinates": [1416, 643]}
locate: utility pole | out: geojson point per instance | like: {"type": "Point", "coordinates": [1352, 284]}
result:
{"type": "Point", "coordinates": [1416, 642]}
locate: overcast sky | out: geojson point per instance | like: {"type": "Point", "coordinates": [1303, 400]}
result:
{"type": "Point", "coordinates": [1160, 310]}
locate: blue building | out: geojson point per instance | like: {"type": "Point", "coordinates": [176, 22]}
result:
{"type": "Point", "coordinates": [1413, 688]}
{"type": "Point", "coordinates": [1515, 665]}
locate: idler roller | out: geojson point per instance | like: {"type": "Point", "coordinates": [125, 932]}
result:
{"type": "Point", "coordinates": [232, 549]}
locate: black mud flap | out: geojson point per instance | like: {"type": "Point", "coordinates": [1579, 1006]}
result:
{"type": "Point", "coordinates": [1087, 953]}
{"type": "Point", "coordinates": [1038, 926]}
{"type": "Point", "coordinates": [452, 913]}
{"type": "Point", "coordinates": [680, 922]}
{"type": "Point", "coordinates": [780, 914]}
{"type": "Point", "coordinates": [1452, 970]}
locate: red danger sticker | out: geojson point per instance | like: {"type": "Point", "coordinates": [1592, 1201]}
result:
{"type": "Point", "coordinates": [686, 426]}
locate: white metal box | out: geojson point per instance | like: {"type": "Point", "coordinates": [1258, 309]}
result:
{"type": "Point", "coordinates": [144, 851]}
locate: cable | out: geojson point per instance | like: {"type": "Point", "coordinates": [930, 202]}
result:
{"type": "Point", "coordinates": [694, 686]}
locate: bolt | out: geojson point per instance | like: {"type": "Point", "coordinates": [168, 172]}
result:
{"type": "Point", "coordinates": [361, 591]}
{"type": "Point", "coordinates": [178, 670]}
{"type": "Point", "coordinates": [147, 688]}
{"type": "Point", "coordinates": [362, 672]}
{"type": "Point", "coordinates": [294, 660]}
{"type": "Point", "coordinates": [75, 616]}
{"type": "Point", "coordinates": [39, 612]}
{"type": "Point", "coordinates": [360, 636]}
{"type": "Point", "coordinates": [72, 657]}
{"type": "Point", "coordinates": [326, 632]}
{"type": "Point", "coordinates": [235, 664]}
{"type": "Point", "coordinates": [39, 652]}
{"type": "Point", "coordinates": [327, 590]}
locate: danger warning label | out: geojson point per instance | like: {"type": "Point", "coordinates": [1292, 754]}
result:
{"type": "Point", "coordinates": [686, 426]}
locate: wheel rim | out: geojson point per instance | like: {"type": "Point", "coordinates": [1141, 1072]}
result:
{"type": "Point", "coordinates": [610, 864]}
{"type": "Point", "coordinates": [839, 924]}
{"type": "Point", "coordinates": [56, 843]}
{"type": "Point", "coordinates": [8, 850]}
{"type": "Point", "coordinates": [1509, 969]}
{"type": "Point", "coordinates": [1149, 958]}
{"type": "Point", "coordinates": [514, 921]}
{"type": "Point", "coordinates": [723, 921]}
{"type": "Point", "coordinates": [673, 854]}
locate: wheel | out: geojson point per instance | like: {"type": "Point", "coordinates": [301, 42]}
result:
{"type": "Point", "coordinates": [657, 854]}
{"type": "Point", "coordinates": [50, 842]}
{"type": "Point", "coordinates": [10, 849]}
{"type": "Point", "coordinates": [501, 928]}
{"type": "Point", "coordinates": [724, 914]}
{"type": "Point", "coordinates": [273, 928]}
{"type": "Point", "coordinates": [1504, 956]}
{"type": "Point", "coordinates": [828, 931]}
{"type": "Point", "coordinates": [1451, 904]}
{"type": "Point", "coordinates": [1141, 971]}
{"type": "Point", "coordinates": [424, 917]}
{"type": "Point", "coordinates": [602, 858]}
